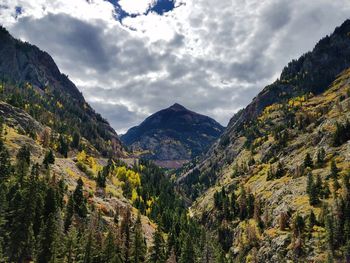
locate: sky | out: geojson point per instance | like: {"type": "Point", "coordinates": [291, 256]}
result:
{"type": "Point", "coordinates": [131, 58]}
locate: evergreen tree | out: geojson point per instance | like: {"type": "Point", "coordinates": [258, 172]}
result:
{"type": "Point", "coordinates": [48, 235]}
{"type": "Point", "coordinates": [76, 140]}
{"type": "Point", "coordinates": [63, 146]}
{"type": "Point", "coordinates": [71, 245]}
{"type": "Point", "coordinates": [89, 252]}
{"type": "Point", "coordinates": [311, 190]}
{"type": "Point", "coordinates": [321, 155]}
{"type": "Point", "coordinates": [329, 223]}
{"type": "Point", "coordinates": [49, 158]}
{"type": "Point", "coordinates": [157, 250]}
{"type": "Point", "coordinates": [101, 179]}
{"type": "Point", "coordinates": [5, 165]}
{"type": "Point", "coordinates": [125, 229]}
{"type": "Point", "coordinates": [298, 225]}
{"type": "Point", "coordinates": [187, 251]}
{"type": "Point", "coordinates": [242, 202]}
{"type": "Point", "coordinates": [138, 248]}
{"type": "Point", "coordinates": [69, 213]}
{"type": "Point", "coordinates": [22, 163]}
{"type": "Point", "coordinates": [308, 161]}
{"type": "Point", "coordinates": [79, 199]}
{"type": "Point", "coordinates": [111, 252]}
{"type": "Point", "coordinates": [334, 170]}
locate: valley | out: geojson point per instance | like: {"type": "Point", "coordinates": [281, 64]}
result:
{"type": "Point", "coordinates": [273, 186]}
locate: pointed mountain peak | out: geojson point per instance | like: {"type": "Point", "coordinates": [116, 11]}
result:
{"type": "Point", "coordinates": [177, 106]}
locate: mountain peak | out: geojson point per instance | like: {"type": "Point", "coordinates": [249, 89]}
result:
{"type": "Point", "coordinates": [174, 134]}
{"type": "Point", "coordinates": [177, 106]}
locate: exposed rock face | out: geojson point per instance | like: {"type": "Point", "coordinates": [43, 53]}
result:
{"type": "Point", "coordinates": [19, 119]}
{"type": "Point", "coordinates": [175, 133]}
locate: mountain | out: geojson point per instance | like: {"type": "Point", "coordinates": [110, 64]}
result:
{"type": "Point", "coordinates": [173, 134]}
{"type": "Point", "coordinates": [275, 186]}
{"type": "Point", "coordinates": [30, 80]}
{"type": "Point", "coordinates": [67, 194]}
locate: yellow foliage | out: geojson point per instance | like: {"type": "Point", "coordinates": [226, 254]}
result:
{"type": "Point", "coordinates": [81, 157]}
{"type": "Point", "coordinates": [150, 202]}
{"type": "Point", "coordinates": [134, 195]}
{"type": "Point", "coordinates": [71, 173]}
{"type": "Point", "coordinates": [297, 101]}
{"type": "Point", "coordinates": [124, 174]}
{"type": "Point", "coordinates": [59, 105]}
{"type": "Point", "coordinates": [91, 162]}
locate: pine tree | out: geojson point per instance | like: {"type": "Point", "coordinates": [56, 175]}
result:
{"type": "Point", "coordinates": [187, 251]}
{"type": "Point", "coordinates": [111, 252]}
{"type": "Point", "coordinates": [76, 140]}
{"type": "Point", "coordinates": [69, 213]}
{"type": "Point", "coordinates": [329, 223]}
{"type": "Point", "coordinates": [312, 220]}
{"type": "Point", "coordinates": [89, 248]}
{"type": "Point", "coordinates": [63, 146]}
{"type": "Point", "coordinates": [334, 170]}
{"type": "Point", "coordinates": [138, 247]}
{"type": "Point", "coordinates": [5, 165]}
{"type": "Point", "coordinates": [311, 190]}
{"type": "Point", "coordinates": [298, 225]}
{"type": "Point", "coordinates": [22, 163]}
{"type": "Point", "coordinates": [79, 199]}
{"type": "Point", "coordinates": [321, 155]}
{"type": "Point", "coordinates": [48, 235]}
{"type": "Point", "coordinates": [308, 161]}
{"type": "Point", "coordinates": [49, 158]}
{"type": "Point", "coordinates": [101, 180]}
{"type": "Point", "coordinates": [125, 229]}
{"type": "Point", "coordinates": [157, 250]}
{"type": "Point", "coordinates": [242, 203]}
{"type": "Point", "coordinates": [71, 243]}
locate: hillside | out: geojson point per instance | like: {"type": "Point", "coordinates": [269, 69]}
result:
{"type": "Point", "coordinates": [276, 187]}
{"type": "Point", "coordinates": [311, 73]}
{"type": "Point", "coordinates": [30, 80]}
{"type": "Point", "coordinates": [172, 136]}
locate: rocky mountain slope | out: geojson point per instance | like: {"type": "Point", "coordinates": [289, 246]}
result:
{"type": "Point", "coordinates": [172, 135]}
{"type": "Point", "coordinates": [275, 187]}
{"type": "Point", "coordinates": [30, 80]}
{"type": "Point", "coordinates": [311, 73]}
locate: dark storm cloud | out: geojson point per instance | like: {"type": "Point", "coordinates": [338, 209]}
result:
{"type": "Point", "coordinates": [215, 64]}
{"type": "Point", "coordinates": [70, 39]}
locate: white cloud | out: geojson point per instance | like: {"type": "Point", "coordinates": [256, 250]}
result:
{"type": "Point", "coordinates": [211, 56]}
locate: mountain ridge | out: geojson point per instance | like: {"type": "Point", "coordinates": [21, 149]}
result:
{"type": "Point", "coordinates": [30, 78]}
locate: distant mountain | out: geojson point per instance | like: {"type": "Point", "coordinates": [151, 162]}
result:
{"type": "Point", "coordinates": [173, 134]}
{"type": "Point", "coordinates": [31, 81]}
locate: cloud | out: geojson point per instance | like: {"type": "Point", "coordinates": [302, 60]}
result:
{"type": "Point", "coordinates": [211, 56]}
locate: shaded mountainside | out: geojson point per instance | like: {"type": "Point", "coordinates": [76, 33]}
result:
{"type": "Point", "coordinates": [172, 134]}
{"type": "Point", "coordinates": [30, 80]}
{"type": "Point", "coordinates": [275, 187]}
